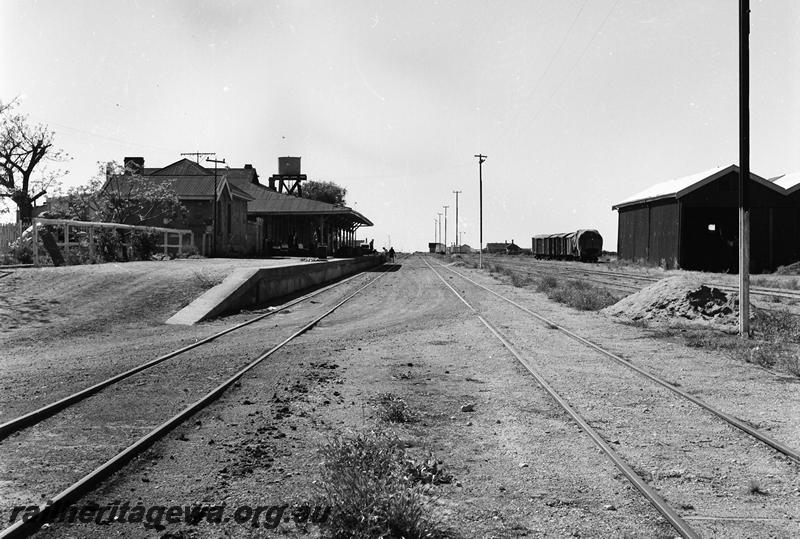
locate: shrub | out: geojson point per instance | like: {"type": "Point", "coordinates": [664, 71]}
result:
{"type": "Point", "coordinates": [23, 253]}
{"type": "Point", "coordinates": [144, 244]}
{"type": "Point", "coordinates": [393, 409]}
{"type": "Point", "coordinates": [546, 283]}
{"type": "Point", "coordinates": [576, 294]}
{"type": "Point", "coordinates": [777, 325]}
{"type": "Point", "coordinates": [109, 245]}
{"type": "Point", "coordinates": [366, 484]}
{"type": "Point", "coordinates": [520, 280]}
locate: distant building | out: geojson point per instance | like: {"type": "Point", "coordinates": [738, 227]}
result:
{"type": "Point", "coordinates": [503, 248]}
{"type": "Point", "coordinates": [436, 248]}
{"type": "Point", "coordinates": [693, 222]}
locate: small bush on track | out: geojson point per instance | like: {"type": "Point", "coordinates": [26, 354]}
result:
{"type": "Point", "coordinates": [366, 482]}
{"type": "Point", "coordinates": [393, 409]}
{"type": "Point", "coordinates": [576, 294]}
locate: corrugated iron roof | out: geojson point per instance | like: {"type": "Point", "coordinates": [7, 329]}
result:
{"type": "Point", "coordinates": [192, 180]}
{"type": "Point", "coordinates": [266, 200]}
{"type": "Point", "coordinates": [184, 186]}
{"type": "Point", "coordinates": [790, 182]}
{"type": "Point", "coordinates": [679, 187]}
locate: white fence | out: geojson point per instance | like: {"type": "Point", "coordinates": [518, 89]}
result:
{"type": "Point", "coordinates": [84, 234]}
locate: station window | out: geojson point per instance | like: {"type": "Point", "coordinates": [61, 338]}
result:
{"type": "Point", "coordinates": [712, 227]}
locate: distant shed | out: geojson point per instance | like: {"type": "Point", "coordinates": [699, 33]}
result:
{"type": "Point", "coordinates": [503, 248]}
{"type": "Point", "coordinates": [693, 223]}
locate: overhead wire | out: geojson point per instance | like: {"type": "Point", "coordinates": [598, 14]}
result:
{"type": "Point", "coordinates": [578, 61]}
{"type": "Point", "coordinates": [560, 46]}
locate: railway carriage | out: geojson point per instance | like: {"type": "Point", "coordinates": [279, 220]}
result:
{"type": "Point", "coordinates": [584, 245]}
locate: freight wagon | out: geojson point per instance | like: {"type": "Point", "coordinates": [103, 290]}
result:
{"type": "Point", "coordinates": [584, 245]}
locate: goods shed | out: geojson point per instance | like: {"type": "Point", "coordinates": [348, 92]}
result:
{"type": "Point", "coordinates": [693, 223]}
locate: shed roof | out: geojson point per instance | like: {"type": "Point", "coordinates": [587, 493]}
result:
{"type": "Point", "coordinates": [790, 182]}
{"type": "Point", "coordinates": [679, 187]}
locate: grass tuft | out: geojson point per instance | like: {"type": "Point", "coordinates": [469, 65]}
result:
{"type": "Point", "coordinates": [520, 280]}
{"type": "Point", "coordinates": [576, 294]}
{"type": "Point", "coordinates": [754, 487]}
{"type": "Point", "coordinates": [370, 492]}
{"type": "Point", "coordinates": [393, 409]}
{"type": "Point", "coordinates": [774, 342]}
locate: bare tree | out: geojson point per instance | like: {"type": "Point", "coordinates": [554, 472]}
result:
{"type": "Point", "coordinates": [24, 150]}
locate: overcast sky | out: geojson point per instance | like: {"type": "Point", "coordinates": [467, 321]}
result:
{"type": "Point", "coordinates": [578, 104]}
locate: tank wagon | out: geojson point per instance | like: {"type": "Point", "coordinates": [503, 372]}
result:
{"type": "Point", "coordinates": [584, 245]}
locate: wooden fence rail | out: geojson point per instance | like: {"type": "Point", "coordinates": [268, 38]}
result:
{"type": "Point", "coordinates": [89, 239]}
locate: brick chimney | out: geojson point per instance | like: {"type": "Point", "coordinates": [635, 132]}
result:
{"type": "Point", "coordinates": [134, 165]}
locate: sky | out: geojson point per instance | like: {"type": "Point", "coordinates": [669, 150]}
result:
{"type": "Point", "coordinates": [577, 104]}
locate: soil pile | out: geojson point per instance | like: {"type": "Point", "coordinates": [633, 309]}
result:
{"type": "Point", "coordinates": [679, 299]}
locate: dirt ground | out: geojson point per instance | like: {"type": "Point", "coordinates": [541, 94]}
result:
{"type": "Point", "coordinates": [520, 467]}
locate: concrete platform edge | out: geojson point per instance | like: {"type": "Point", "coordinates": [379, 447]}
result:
{"type": "Point", "coordinates": [248, 287]}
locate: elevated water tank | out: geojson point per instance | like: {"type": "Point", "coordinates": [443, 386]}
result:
{"type": "Point", "coordinates": [289, 166]}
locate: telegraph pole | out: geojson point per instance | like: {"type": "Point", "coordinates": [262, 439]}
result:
{"type": "Point", "coordinates": [440, 231]}
{"type": "Point", "coordinates": [744, 168]}
{"type": "Point", "coordinates": [458, 239]}
{"type": "Point", "coordinates": [481, 159]}
{"type": "Point", "coordinates": [214, 206]}
{"type": "Point", "coordinates": [445, 228]}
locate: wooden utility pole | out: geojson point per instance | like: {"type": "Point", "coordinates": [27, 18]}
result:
{"type": "Point", "coordinates": [445, 228]}
{"type": "Point", "coordinates": [744, 168]}
{"type": "Point", "coordinates": [440, 232]}
{"type": "Point", "coordinates": [481, 159]}
{"type": "Point", "coordinates": [214, 210]}
{"type": "Point", "coordinates": [458, 243]}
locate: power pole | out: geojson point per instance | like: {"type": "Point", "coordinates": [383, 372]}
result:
{"type": "Point", "coordinates": [744, 168]}
{"type": "Point", "coordinates": [435, 224]}
{"type": "Point", "coordinates": [197, 155]}
{"type": "Point", "coordinates": [445, 228]}
{"type": "Point", "coordinates": [481, 159]}
{"type": "Point", "coordinates": [440, 231]}
{"type": "Point", "coordinates": [214, 206]}
{"type": "Point", "coordinates": [458, 239]}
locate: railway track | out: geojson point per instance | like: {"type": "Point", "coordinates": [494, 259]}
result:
{"type": "Point", "coordinates": [783, 458]}
{"type": "Point", "coordinates": [612, 279]}
{"type": "Point", "coordinates": [235, 371]}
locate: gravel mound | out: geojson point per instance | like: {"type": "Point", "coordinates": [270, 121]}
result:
{"type": "Point", "coordinates": [679, 300]}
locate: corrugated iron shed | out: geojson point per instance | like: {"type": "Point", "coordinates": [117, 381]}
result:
{"type": "Point", "coordinates": [692, 222]}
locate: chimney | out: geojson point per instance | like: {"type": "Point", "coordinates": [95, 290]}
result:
{"type": "Point", "coordinates": [134, 165]}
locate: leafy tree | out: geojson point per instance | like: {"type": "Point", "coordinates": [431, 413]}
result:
{"type": "Point", "coordinates": [25, 148]}
{"type": "Point", "coordinates": [119, 196]}
{"type": "Point", "coordinates": [324, 192]}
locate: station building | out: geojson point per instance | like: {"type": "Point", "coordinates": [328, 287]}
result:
{"type": "Point", "coordinates": [693, 222]}
{"type": "Point", "coordinates": [231, 213]}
